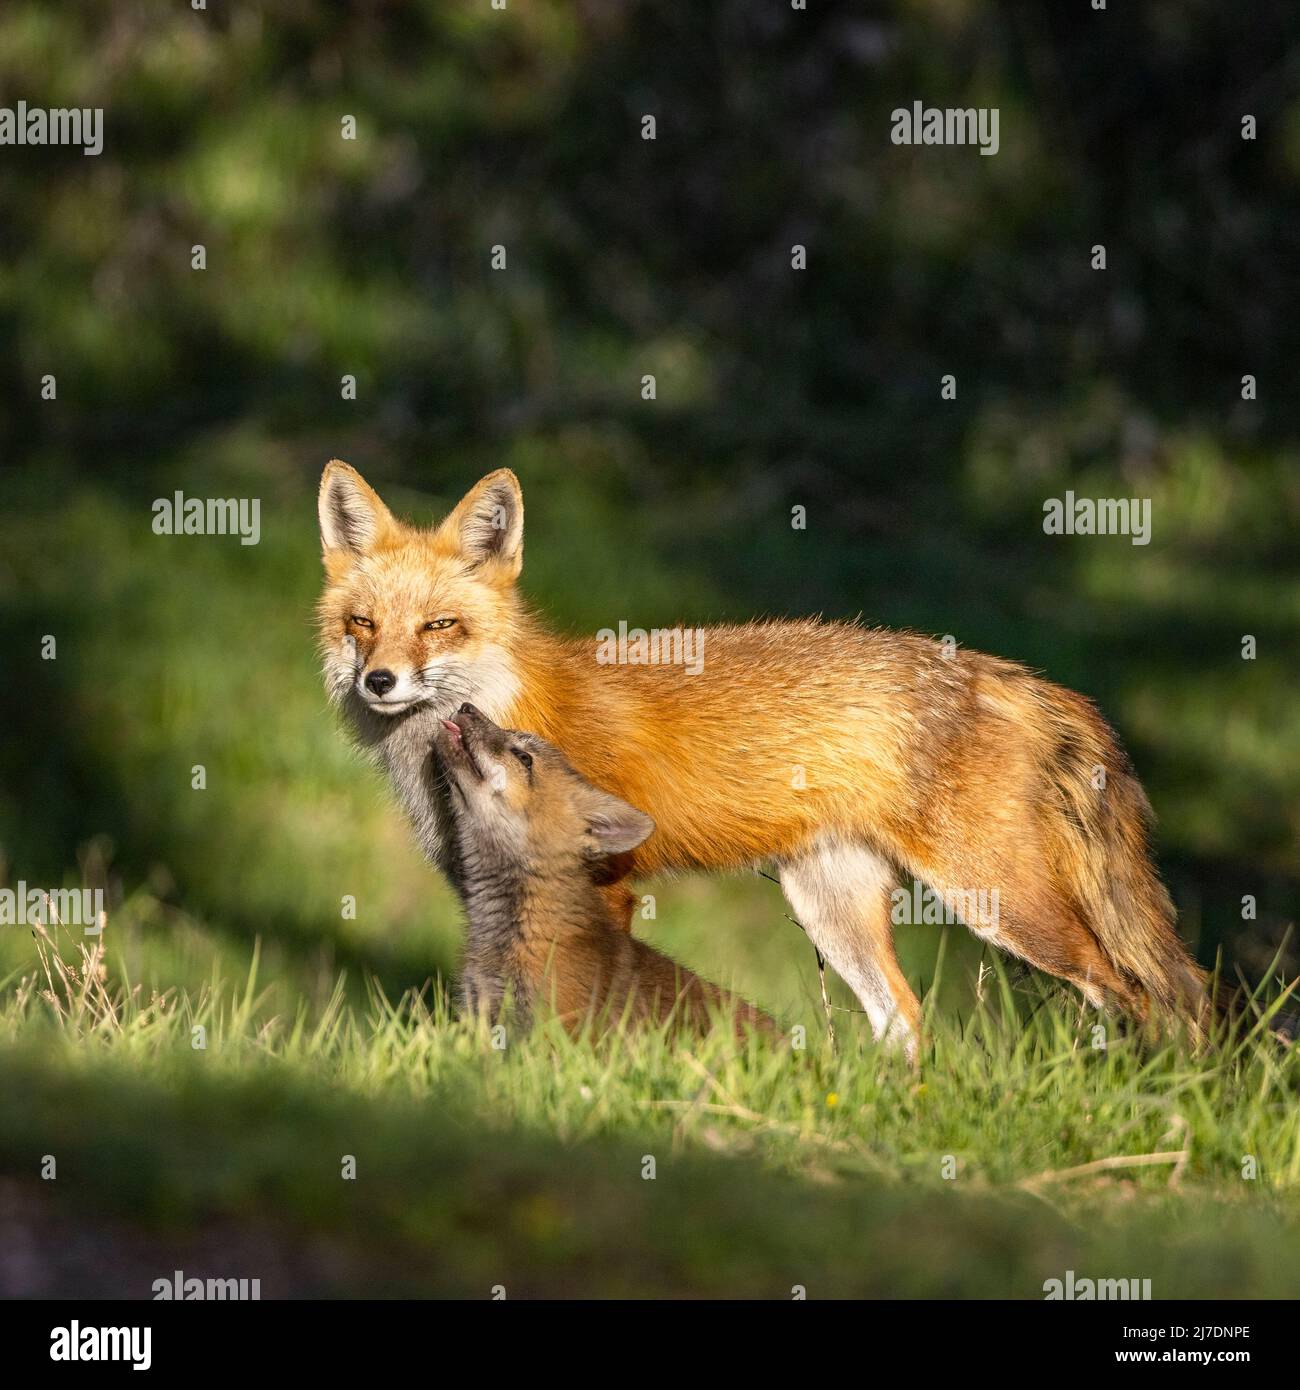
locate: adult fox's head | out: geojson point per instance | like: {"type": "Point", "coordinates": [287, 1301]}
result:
{"type": "Point", "coordinates": [521, 806]}
{"type": "Point", "coordinates": [414, 617]}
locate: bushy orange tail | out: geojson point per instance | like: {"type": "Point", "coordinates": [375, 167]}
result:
{"type": "Point", "coordinates": [1103, 857]}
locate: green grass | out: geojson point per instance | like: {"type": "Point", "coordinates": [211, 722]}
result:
{"type": "Point", "coordinates": [1018, 1150]}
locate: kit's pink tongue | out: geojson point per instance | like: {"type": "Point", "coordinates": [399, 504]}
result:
{"type": "Point", "coordinates": [452, 729]}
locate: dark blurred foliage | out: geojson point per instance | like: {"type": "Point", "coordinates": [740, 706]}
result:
{"type": "Point", "coordinates": [523, 127]}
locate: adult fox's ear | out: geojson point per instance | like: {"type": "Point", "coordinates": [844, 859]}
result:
{"type": "Point", "coordinates": [352, 518]}
{"type": "Point", "coordinates": [614, 827]}
{"type": "Point", "coordinates": [488, 523]}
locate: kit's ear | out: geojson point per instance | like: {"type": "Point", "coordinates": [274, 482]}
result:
{"type": "Point", "coordinates": [488, 523]}
{"type": "Point", "coordinates": [352, 517]}
{"type": "Point", "coordinates": [613, 827]}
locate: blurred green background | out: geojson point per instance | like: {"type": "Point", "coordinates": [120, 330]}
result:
{"type": "Point", "coordinates": [775, 388]}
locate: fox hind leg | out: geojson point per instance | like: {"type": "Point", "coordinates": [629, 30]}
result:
{"type": "Point", "coordinates": [1038, 924]}
{"type": "Point", "coordinates": [840, 894]}
{"type": "Point", "coordinates": [1051, 937]}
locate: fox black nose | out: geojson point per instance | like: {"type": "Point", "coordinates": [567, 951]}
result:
{"type": "Point", "coordinates": [380, 682]}
{"type": "Point", "coordinates": [469, 709]}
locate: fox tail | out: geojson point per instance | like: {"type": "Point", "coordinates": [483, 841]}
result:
{"type": "Point", "coordinates": [1102, 828]}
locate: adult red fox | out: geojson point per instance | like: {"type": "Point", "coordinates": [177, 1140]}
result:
{"type": "Point", "coordinates": [532, 841]}
{"type": "Point", "coordinates": [844, 755]}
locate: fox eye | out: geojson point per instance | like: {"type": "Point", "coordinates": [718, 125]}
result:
{"type": "Point", "coordinates": [438, 624]}
{"type": "Point", "coordinates": [525, 758]}
{"type": "Point", "coordinates": [361, 622]}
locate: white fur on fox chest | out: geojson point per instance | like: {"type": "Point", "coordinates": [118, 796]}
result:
{"type": "Point", "coordinates": [404, 745]}
{"type": "Point", "coordinates": [407, 756]}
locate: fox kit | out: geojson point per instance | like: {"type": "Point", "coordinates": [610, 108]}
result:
{"type": "Point", "coordinates": [844, 755]}
{"type": "Point", "coordinates": [532, 841]}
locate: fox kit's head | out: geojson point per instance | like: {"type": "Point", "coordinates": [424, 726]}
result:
{"type": "Point", "coordinates": [415, 617]}
{"type": "Point", "coordinates": [518, 802]}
